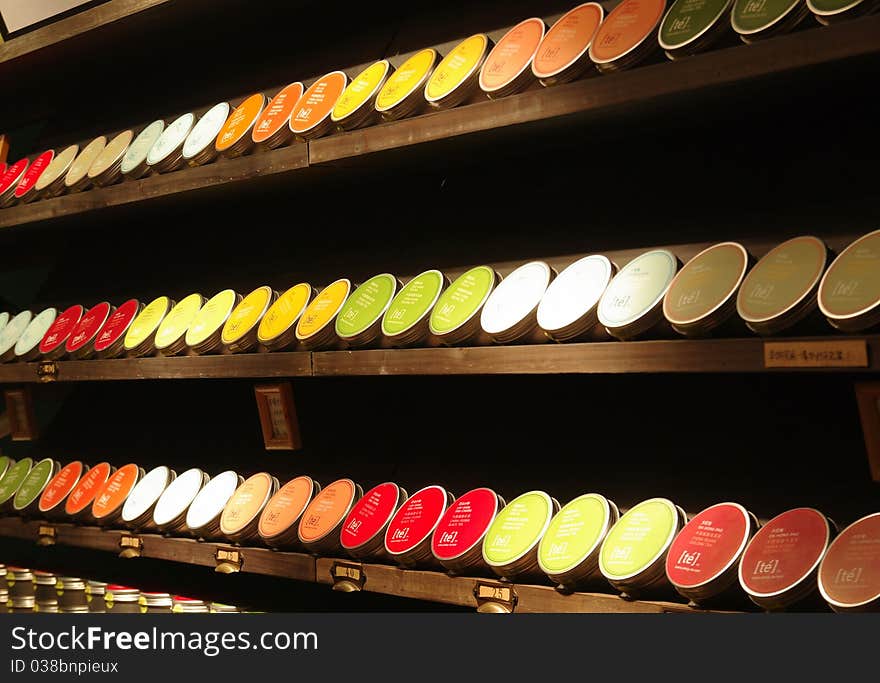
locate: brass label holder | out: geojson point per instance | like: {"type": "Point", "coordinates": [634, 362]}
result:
{"type": "Point", "coordinates": [348, 577]}
{"type": "Point", "coordinates": [494, 598]}
{"type": "Point", "coordinates": [130, 546]}
{"type": "Point", "coordinates": [229, 561]}
{"type": "Point", "coordinates": [46, 535]}
{"type": "Point", "coordinates": [47, 371]}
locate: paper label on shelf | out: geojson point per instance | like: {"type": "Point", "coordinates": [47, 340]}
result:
{"type": "Point", "coordinates": [61, 329]}
{"type": "Point", "coordinates": [113, 495]}
{"type": "Point", "coordinates": [688, 19]}
{"type": "Point", "coordinates": [366, 305]}
{"type": "Point", "coordinates": [360, 89]}
{"type": "Point", "coordinates": [628, 25]}
{"type": "Point", "coordinates": [413, 302]}
{"type": "Point", "coordinates": [61, 484]}
{"type": "Point", "coordinates": [754, 15]}
{"type": "Point", "coordinates": [116, 324]}
{"type": "Point", "coordinates": [34, 483]}
{"type": "Point", "coordinates": [567, 40]}
{"type": "Point", "coordinates": [277, 112]}
{"type": "Point", "coordinates": [574, 533]}
{"type": "Point", "coordinates": [327, 510]}
{"type": "Point", "coordinates": [246, 315]}
{"type": "Point", "coordinates": [88, 487]}
{"type": "Point", "coordinates": [416, 519]}
{"type": "Point", "coordinates": [317, 102]}
{"type": "Point", "coordinates": [705, 283]}
{"type": "Point", "coordinates": [323, 309]}
{"type": "Point", "coordinates": [147, 321]}
{"type": "Point", "coordinates": [850, 572]}
{"type": "Point", "coordinates": [284, 312]}
{"type": "Point", "coordinates": [517, 528]}
{"type": "Point", "coordinates": [456, 66]}
{"type": "Point", "coordinates": [175, 324]}
{"type": "Point", "coordinates": [286, 506]}
{"type": "Point", "coordinates": [834, 353]}
{"type": "Point", "coordinates": [88, 326]}
{"type": "Point", "coordinates": [464, 523]}
{"type": "Point", "coordinates": [238, 124]}
{"type": "Point", "coordinates": [462, 299]}
{"type": "Point", "coordinates": [406, 79]}
{"type": "Point", "coordinates": [638, 538]}
{"type": "Point", "coordinates": [13, 478]}
{"type": "Point", "coordinates": [512, 54]}
{"type": "Point", "coordinates": [852, 284]}
{"type": "Point", "coordinates": [708, 545]}
{"type": "Point", "coordinates": [370, 514]}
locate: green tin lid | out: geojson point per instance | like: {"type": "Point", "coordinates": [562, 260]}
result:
{"type": "Point", "coordinates": [462, 300]}
{"type": "Point", "coordinates": [517, 528]}
{"type": "Point", "coordinates": [639, 539]}
{"type": "Point", "coordinates": [413, 302]}
{"type": "Point", "coordinates": [687, 20]}
{"type": "Point", "coordinates": [14, 478]}
{"type": "Point", "coordinates": [34, 483]}
{"type": "Point", "coordinates": [754, 16]}
{"type": "Point", "coordinates": [5, 463]}
{"type": "Point", "coordinates": [366, 305]}
{"type": "Point", "coordinates": [830, 7]}
{"type": "Point", "coordinates": [574, 533]}
{"type": "Point", "coordinates": [850, 288]}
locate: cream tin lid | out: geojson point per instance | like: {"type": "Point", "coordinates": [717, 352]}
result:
{"type": "Point", "coordinates": [171, 138]}
{"type": "Point", "coordinates": [80, 167]}
{"type": "Point", "coordinates": [137, 152]}
{"type": "Point", "coordinates": [4, 320]}
{"type": "Point", "coordinates": [205, 131]}
{"type": "Point", "coordinates": [637, 288]}
{"type": "Point", "coordinates": [575, 292]}
{"type": "Point", "coordinates": [145, 493]}
{"type": "Point", "coordinates": [850, 288]}
{"type": "Point", "coordinates": [179, 495]}
{"type": "Point", "coordinates": [515, 297]}
{"type": "Point", "coordinates": [13, 330]}
{"type": "Point", "coordinates": [211, 500]}
{"type": "Point", "coordinates": [58, 168]}
{"type": "Point", "coordinates": [35, 331]}
{"type": "Point", "coordinates": [112, 153]}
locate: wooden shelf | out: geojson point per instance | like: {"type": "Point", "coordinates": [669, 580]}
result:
{"type": "Point", "coordinates": [428, 586]}
{"type": "Point", "coordinates": [588, 98]}
{"type": "Point", "coordinates": [614, 357]}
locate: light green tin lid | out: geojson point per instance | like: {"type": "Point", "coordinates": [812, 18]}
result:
{"type": "Point", "coordinates": [14, 478]}
{"type": "Point", "coordinates": [366, 305]}
{"type": "Point", "coordinates": [413, 302]}
{"type": "Point", "coordinates": [637, 288]}
{"type": "Point", "coordinates": [462, 300]}
{"type": "Point", "coordinates": [638, 539]}
{"type": "Point", "coordinates": [34, 483]}
{"type": "Point", "coordinates": [754, 16]}
{"type": "Point", "coordinates": [574, 533]}
{"type": "Point", "coordinates": [5, 463]}
{"type": "Point", "coordinates": [517, 528]}
{"type": "Point", "coordinates": [687, 20]}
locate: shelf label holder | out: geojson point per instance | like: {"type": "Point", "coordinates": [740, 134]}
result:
{"type": "Point", "coordinates": [229, 561]}
{"type": "Point", "coordinates": [348, 577]}
{"type": "Point", "coordinates": [47, 371]}
{"type": "Point", "coordinates": [130, 546]}
{"type": "Point", "coordinates": [827, 353]}
{"type": "Point", "coordinates": [46, 535]}
{"type": "Point", "coordinates": [494, 598]}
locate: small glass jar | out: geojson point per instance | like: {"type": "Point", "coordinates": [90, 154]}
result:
{"type": "Point", "coordinates": [510, 546]}
{"type": "Point", "coordinates": [166, 154]}
{"type": "Point", "coordinates": [241, 516]}
{"type": "Point", "coordinates": [363, 532]}
{"type": "Point", "coordinates": [457, 542]}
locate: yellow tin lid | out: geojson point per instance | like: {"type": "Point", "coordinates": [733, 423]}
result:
{"type": "Point", "coordinates": [246, 315]}
{"type": "Point", "coordinates": [178, 320]}
{"type": "Point", "coordinates": [285, 312]}
{"type": "Point", "coordinates": [146, 323]}
{"type": "Point", "coordinates": [405, 80]}
{"type": "Point", "coordinates": [212, 316]}
{"type": "Point", "coordinates": [359, 91]}
{"type": "Point", "coordinates": [456, 67]}
{"type": "Point", "coordinates": [322, 311]}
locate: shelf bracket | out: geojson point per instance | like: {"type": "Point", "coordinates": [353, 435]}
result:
{"type": "Point", "coordinates": [130, 546]}
{"type": "Point", "coordinates": [494, 598]}
{"type": "Point", "coordinates": [348, 577]}
{"type": "Point", "coordinates": [228, 560]}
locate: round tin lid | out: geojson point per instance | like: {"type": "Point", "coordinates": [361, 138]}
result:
{"type": "Point", "coordinates": [112, 154]}
{"type": "Point", "coordinates": [317, 102]}
{"type": "Point", "coordinates": [12, 176]}
{"type": "Point", "coordinates": [137, 151]}
{"type": "Point", "coordinates": [4, 320]}
{"type": "Point", "coordinates": [323, 309]}
{"type": "Point", "coordinates": [413, 302]}
{"type": "Point", "coordinates": [851, 285]}
{"type": "Point", "coordinates": [239, 124]}
{"type": "Point", "coordinates": [33, 173]}
{"type": "Point", "coordinates": [5, 463]}
{"type": "Point", "coordinates": [369, 515]}
{"type": "Point", "coordinates": [61, 329]}
{"type": "Point", "coordinates": [13, 330]}
{"type": "Point", "coordinates": [88, 326]}
{"type": "Point", "coordinates": [211, 318]}
{"type": "Point", "coordinates": [415, 520]}
{"type": "Point", "coordinates": [464, 524]}
{"type": "Point", "coordinates": [515, 297]}
{"type": "Point", "coordinates": [406, 80]}
{"type": "Point", "coordinates": [247, 315]}
{"type": "Point", "coordinates": [688, 20]}
{"type": "Point", "coordinates": [575, 292]}
{"type": "Point", "coordinates": [61, 486]}
{"type": "Point", "coordinates": [366, 305]}
{"type": "Point", "coordinates": [89, 486]}
{"type": "Point", "coordinates": [639, 286]}
{"type": "Point", "coordinates": [204, 133]}
{"type": "Point", "coordinates": [178, 496]}
{"type": "Point", "coordinates": [360, 90]}
{"type": "Point", "coordinates": [517, 528]}
{"type": "Point", "coordinates": [575, 533]}
{"type": "Point", "coordinates": [146, 493]}
{"type": "Point", "coordinates": [456, 67]}
{"type": "Point", "coordinates": [462, 299]}
{"type": "Point", "coordinates": [247, 503]}
{"type": "Point", "coordinates": [147, 322]}
{"type": "Point", "coordinates": [116, 491]}
{"type": "Point", "coordinates": [35, 331]}
{"type": "Point", "coordinates": [286, 507]}
{"type": "Point", "coordinates": [512, 55]}
{"type": "Point", "coordinates": [177, 322]}
{"type": "Point", "coordinates": [211, 500]}
{"type": "Point", "coordinates": [327, 510]}
{"type": "Point", "coordinates": [849, 576]}
{"type": "Point", "coordinates": [705, 283]}
{"type": "Point", "coordinates": [79, 169]}
{"type": "Point", "coordinates": [172, 138]}
{"type": "Point", "coordinates": [284, 313]}
{"type": "Point", "coordinates": [117, 325]}
{"type": "Point", "coordinates": [627, 26]}
{"type": "Point", "coordinates": [782, 279]}
{"type": "Point", "coordinates": [34, 483]}
{"type": "Point", "coordinates": [277, 113]}
{"type": "Point", "coordinates": [784, 552]}
{"type": "Point", "coordinates": [58, 168]}
{"type": "Point", "coordinates": [568, 40]}
{"type": "Point", "coordinates": [13, 479]}
{"type": "Point", "coordinates": [639, 539]}
{"type": "Point", "coordinates": [825, 8]}
{"type": "Point", "coordinates": [749, 17]}
{"type": "Point", "coordinates": [708, 546]}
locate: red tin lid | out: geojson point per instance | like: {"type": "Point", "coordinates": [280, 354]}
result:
{"type": "Point", "coordinates": [61, 329]}
{"type": "Point", "coordinates": [88, 326]}
{"type": "Point", "coordinates": [465, 523]}
{"type": "Point", "coordinates": [370, 514]}
{"type": "Point", "coordinates": [12, 175]}
{"type": "Point", "coordinates": [415, 520]}
{"type": "Point", "coordinates": [35, 170]}
{"type": "Point", "coordinates": [117, 325]}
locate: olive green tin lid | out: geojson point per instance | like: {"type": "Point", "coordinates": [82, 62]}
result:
{"type": "Point", "coordinates": [6, 464]}
{"type": "Point", "coordinates": [462, 300]}
{"type": "Point", "coordinates": [13, 479]}
{"type": "Point", "coordinates": [827, 10]}
{"type": "Point", "coordinates": [849, 294]}
{"type": "Point", "coordinates": [413, 303]}
{"type": "Point", "coordinates": [366, 306]}
{"type": "Point", "coordinates": [689, 21]}
{"type": "Point", "coordinates": [32, 486]}
{"type": "Point", "coordinates": [756, 17]}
